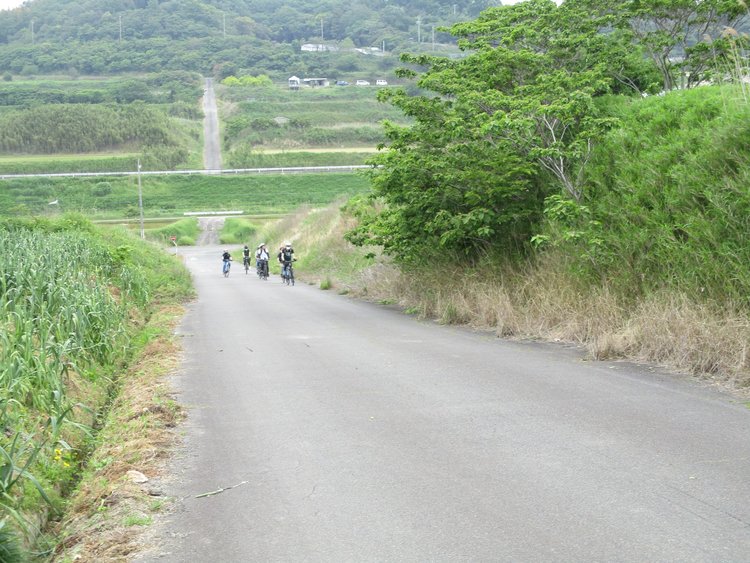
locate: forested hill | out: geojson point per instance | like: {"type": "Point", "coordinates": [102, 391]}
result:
{"type": "Point", "coordinates": [43, 30]}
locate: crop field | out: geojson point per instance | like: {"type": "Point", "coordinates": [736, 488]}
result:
{"type": "Point", "coordinates": [341, 118]}
{"type": "Point", "coordinates": [102, 124]}
{"type": "Point", "coordinates": [166, 196]}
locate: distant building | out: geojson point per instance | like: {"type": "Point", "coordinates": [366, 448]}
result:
{"type": "Point", "coordinates": [318, 47]}
{"type": "Point", "coordinates": [294, 83]}
{"type": "Point", "coordinates": [316, 82]}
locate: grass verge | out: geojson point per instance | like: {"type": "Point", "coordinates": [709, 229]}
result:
{"type": "Point", "coordinates": [111, 503]}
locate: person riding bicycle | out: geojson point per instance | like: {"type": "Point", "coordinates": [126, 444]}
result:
{"type": "Point", "coordinates": [286, 257]}
{"type": "Point", "coordinates": [245, 255]}
{"type": "Point", "coordinates": [226, 258]}
{"type": "Point", "coordinates": [261, 258]}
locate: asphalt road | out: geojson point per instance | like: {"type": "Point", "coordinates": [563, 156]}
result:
{"type": "Point", "coordinates": [352, 432]}
{"type": "Point", "coordinates": [211, 141]}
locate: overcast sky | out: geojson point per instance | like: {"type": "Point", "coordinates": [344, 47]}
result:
{"type": "Point", "coordinates": [8, 4]}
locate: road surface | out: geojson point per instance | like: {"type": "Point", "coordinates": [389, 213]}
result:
{"type": "Point", "coordinates": [211, 140]}
{"type": "Point", "coordinates": [348, 431]}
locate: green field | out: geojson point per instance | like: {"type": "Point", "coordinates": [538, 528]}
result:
{"type": "Point", "coordinates": [169, 196]}
{"type": "Point", "coordinates": [62, 163]}
{"type": "Point", "coordinates": [341, 118]}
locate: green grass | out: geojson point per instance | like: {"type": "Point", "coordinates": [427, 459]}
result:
{"type": "Point", "coordinates": [245, 157]}
{"type": "Point", "coordinates": [322, 117]}
{"type": "Point", "coordinates": [46, 164]}
{"type": "Point", "coordinates": [186, 232]}
{"type": "Point", "coordinates": [170, 196]}
{"type": "Point", "coordinates": [237, 230]}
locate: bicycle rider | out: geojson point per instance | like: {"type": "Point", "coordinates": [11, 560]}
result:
{"type": "Point", "coordinates": [261, 258]}
{"type": "Point", "coordinates": [286, 257]}
{"type": "Point", "coordinates": [226, 258]}
{"type": "Point", "coordinates": [245, 256]}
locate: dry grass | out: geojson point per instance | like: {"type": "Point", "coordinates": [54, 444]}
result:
{"type": "Point", "coordinates": [137, 436]}
{"type": "Point", "coordinates": [672, 330]}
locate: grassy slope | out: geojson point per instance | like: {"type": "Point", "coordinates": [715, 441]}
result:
{"type": "Point", "coordinates": [346, 119]}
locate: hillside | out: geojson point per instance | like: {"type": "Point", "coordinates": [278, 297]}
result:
{"type": "Point", "coordinates": [95, 37]}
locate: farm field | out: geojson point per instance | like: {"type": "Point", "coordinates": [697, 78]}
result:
{"type": "Point", "coordinates": [309, 127]}
{"type": "Point", "coordinates": [169, 196]}
{"type": "Point", "coordinates": [55, 125]}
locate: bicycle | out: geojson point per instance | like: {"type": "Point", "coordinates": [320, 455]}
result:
{"type": "Point", "coordinates": [246, 263]}
{"type": "Point", "coordinates": [262, 269]}
{"type": "Point", "coordinates": [225, 268]}
{"type": "Point", "coordinates": [287, 273]}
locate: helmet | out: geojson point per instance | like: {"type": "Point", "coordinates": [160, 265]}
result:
{"type": "Point", "coordinates": [287, 243]}
{"type": "Point", "coordinates": [245, 246]}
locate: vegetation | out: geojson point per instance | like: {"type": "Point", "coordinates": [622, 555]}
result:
{"type": "Point", "coordinates": [540, 157]}
{"type": "Point", "coordinates": [173, 195]}
{"type": "Point", "coordinates": [62, 163]}
{"type": "Point", "coordinates": [246, 157]}
{"type": "Point", "coordinates": [336, 117]}
{"type": "Point", "coordinates": [154, 118]}
{"type": "Point", "coordinates": [185, 232]}
{"type": "Point", "coordinates": [237, 230]}
{"type": "Point", "coordinates": [162, 88]}
{"type": "Point", "coordinates": [68, 298]}
{"type": "Point", "coordinates": [204, 36]}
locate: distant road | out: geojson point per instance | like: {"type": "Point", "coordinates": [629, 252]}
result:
{"type": "Point", "coordinates": [324, 429]}
{"type": "Point", "coordinates": [211, 140]}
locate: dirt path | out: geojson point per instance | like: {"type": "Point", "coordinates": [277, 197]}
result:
{"type": "Point", "coordinates": [210, 229]}
{"type": "Point", "coordinates": [211, 141]}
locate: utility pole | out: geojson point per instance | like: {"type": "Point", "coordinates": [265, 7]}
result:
{"type": "Point", "coordinates": [224, 24]}
{"type": "Point", "coordinates": [32, 32]}
{"type": "Point", "coordinates": [120, 20]}
{"type": "Point", "coordinates": [140, 199]}
{"type": "Point", "coordinates": [321, 30]}
{"type": "Point", "coordinates": [419, 29]}
{"type": "Point", "coordinates": [433, 37]}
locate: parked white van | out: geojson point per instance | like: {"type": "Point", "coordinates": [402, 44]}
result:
{"type": "Point", "coordinates": [381, 82]}
{"type": "Point", "coordinates": [362, 83]}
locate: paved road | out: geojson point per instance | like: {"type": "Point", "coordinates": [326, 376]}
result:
{"type": "Point", "coordinates": [211, 141]}
{"type": "Point", "coordinates": [356, 433]}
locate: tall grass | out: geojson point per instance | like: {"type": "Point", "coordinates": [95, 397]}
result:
{"type": "Point", "coordinates": [68, 297]}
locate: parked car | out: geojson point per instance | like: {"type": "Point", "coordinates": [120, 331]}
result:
{"type": "Point", "coordinates": [362, 83]}
{"type": "Point", "coordinates": [381, 82]}
{"type": "Point", "coordinates": [342, 83]}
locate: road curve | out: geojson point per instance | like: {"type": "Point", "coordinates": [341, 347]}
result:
{"type": "Point", "coordinates": [351, 432]}
{"type": "Point", "coordinates": [211, 140]}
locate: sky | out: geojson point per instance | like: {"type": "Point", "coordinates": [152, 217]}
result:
{"type": "Point", "coordinates": [8, 4]}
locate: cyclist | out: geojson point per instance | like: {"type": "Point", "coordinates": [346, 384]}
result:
{"type": "Point", "coordinates": [286, 257]}
{"type": "Point", "coordinates": [261, 260]}
{"type": "Point", "coordinates": [246, 257]}
{"type": "Point", "coordinates": [226, 259]}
